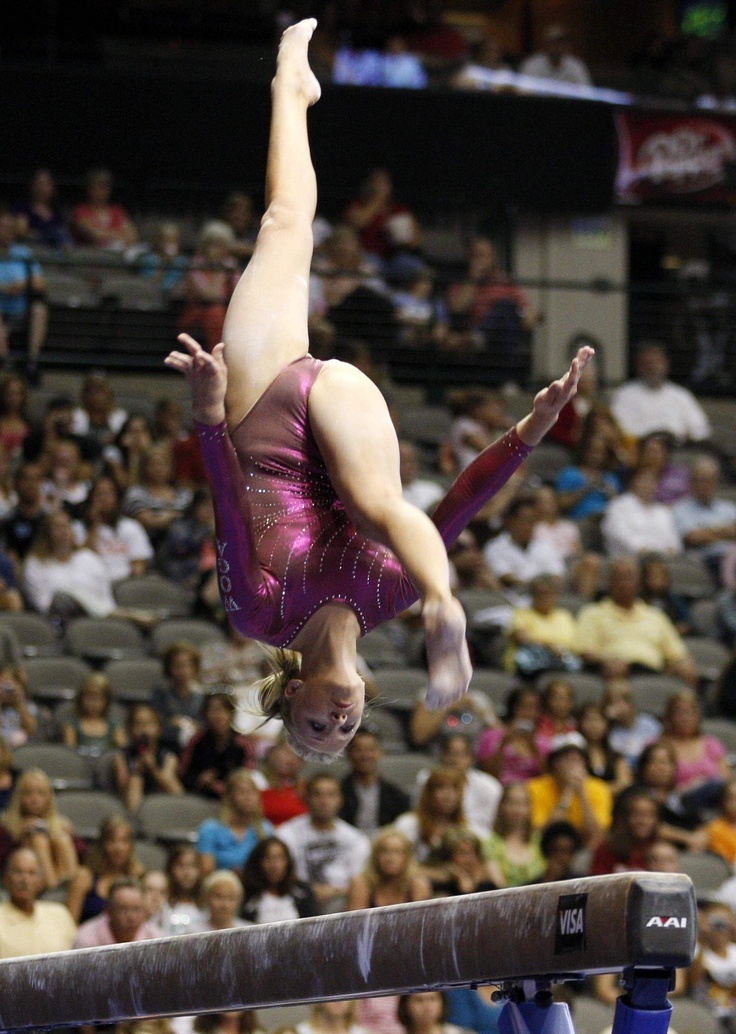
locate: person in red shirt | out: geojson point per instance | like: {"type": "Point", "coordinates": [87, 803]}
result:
{"type": "Point", "coordinates": [282, 798]}
{"type": "Point", "coordinates": [379, 218]}
{"type": "Point", "coordinates": [98, 223]}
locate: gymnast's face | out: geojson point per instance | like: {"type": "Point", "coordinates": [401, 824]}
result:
{"type": "Point", "coordinates": [325, 714]}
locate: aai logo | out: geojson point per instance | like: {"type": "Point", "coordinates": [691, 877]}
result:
{"type": "Point", "coordinates": [570, 928]}
{"type": "Point", "coordinates": [671, 922]}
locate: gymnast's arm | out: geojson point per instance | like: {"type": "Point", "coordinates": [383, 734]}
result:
{"type": "Point", "coordinates": [239, 572]}
{"type": "Point", "coordinates": [495, 465]}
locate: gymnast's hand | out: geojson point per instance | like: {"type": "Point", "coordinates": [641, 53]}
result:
{"type": "Point", "coordinates": [549, 401]}
{"type": "Point", "coordinates": [206, 374]}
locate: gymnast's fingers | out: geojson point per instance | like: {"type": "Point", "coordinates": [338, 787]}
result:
{"type": "Point", "coordinates": [192, 346]}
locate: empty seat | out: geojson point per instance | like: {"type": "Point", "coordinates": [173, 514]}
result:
{"type": "Point", "coordinates": [429, 425]}
{"type": "Point", "coordinates": [704, 616]}
{"type": "Point", "coordinates": [591, 1016]}
{"type": "Point", "coordinates": [35, 634]}
{"type": "Point", "coordinates": [707, 870]}
{"type": "Point", "coordinates": [66, 769]}
{"type": "Point", "coordinates": [189, 631]}
{"type": "Point", "coordinates": [104, 639]}
{"type": "Point", "coordinates": [547, 461]}
{"type": "Point", "coordinates": [398, 688]}
{"type": "Point", "coordinates": [496, 685]}
{"type": "Point", "coordinates": [388, 727]}
{"type": "Point", "coordinates": [402, 769]}
{"type": "Point", "coordinates": [380, 649]}
{"type": "Point", "coordinates": [651, 693]}
{"type": "Point", "coordinates": [132, 292]}
{"type": "Point", "coordinates": [88, 809]}
{"type": "Point", "coordinates": [174, 817]}
{"type": "Point", "coordinates": [69, 291]}
{"type": "Point", "coordinates": [55, 678]}
{"type": "Point", "coordinates": [690, 578]}
{"type": "Point", "coordinates": [690, 1017]}
{"type": "Point", "coordinates": [154, 592]}
{"type": "Point", "coordinates": [709, 656]}
{"type": "Point", "coordinates": [133, 680]}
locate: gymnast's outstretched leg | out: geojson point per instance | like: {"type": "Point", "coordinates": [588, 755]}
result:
{"type": "Point", "coordinates": [266, 323]}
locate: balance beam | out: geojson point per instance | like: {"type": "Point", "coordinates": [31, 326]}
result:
{"type": "Point", "coordinates": [551, 931]}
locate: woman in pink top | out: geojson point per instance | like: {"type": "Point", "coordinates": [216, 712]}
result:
{"type": "Point", "coordinates": [702, 766]}
{"type": "Point", "coordinates": [315, 543]}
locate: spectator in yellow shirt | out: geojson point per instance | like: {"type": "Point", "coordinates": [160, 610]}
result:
{"type": "Point", "coordinates": [543, 635]}
{"type": "Point", "coordinates": [622, 634]}
{"type": "Point", "coordinates": [29, 926]}
{"type": "Point", "coordinates": [568, 793]}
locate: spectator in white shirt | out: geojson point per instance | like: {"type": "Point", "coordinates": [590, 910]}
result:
{"type": "Point", "coordinates": [555, 62]}
{"type": "Point", "coordinates": [328, 853]}
{"type": "Point", "coordinates": [516, 557]}
{"type": "Point", "coordinates": [636, 524]}
{"type": "Point", "coordinates": [706, 523]}
{"type": "Point", "coordinates": [651, 402]}
{"type": "Point", "coordinates": [420, 492]}
{"type": "Point", "coordinates": [482, 791]}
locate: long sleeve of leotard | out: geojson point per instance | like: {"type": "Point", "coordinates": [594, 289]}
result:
{"type": "Point", "coordinates": [478, 483]}
{"type": "Point", "coordinates": [239, 572]}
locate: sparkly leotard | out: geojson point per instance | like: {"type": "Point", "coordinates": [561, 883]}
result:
{"type": "Point", "coordinates": [285, 544]}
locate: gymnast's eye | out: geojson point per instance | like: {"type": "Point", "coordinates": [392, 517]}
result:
{"type": "Point", "coordinates": [347, 729]}
{"type": "Point", "coordinates": [317, 726]}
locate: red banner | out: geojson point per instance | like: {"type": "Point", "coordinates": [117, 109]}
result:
{"type": "Point", "coordinates": [689, 159]}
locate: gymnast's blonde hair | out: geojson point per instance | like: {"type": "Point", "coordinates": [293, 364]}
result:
{"type": "Point", "coordinates": [274, 703]}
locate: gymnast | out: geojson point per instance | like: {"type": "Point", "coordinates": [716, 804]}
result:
{"type": "Point", "coordinates": [315, 543]}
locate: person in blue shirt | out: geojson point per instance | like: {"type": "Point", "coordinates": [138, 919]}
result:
{"type": "Point", "coordinates": [586, 487]}
{"type": "Point", "coordinates": [23, 307]}
{"type": "Point", "coordinates": [226, 843]}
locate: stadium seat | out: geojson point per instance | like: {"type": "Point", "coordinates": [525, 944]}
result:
{"type": "Point", "coordinates": [133, 680]}
{"type": "Point", "coordinates": [388, 727]}
{"type": "Point", "coordinates": [723, 729]}
{"type": "Point", "coordinates": [52, 679]}
{"type": "Point", "coordinates": [154, 592]}
{"type": "Point", "coordinates": [690, 578]}
{"type": "Point", "coordinates": [710, 657]}
{"type": "Point", "coordinates": [707, 870]}
{"type": "Point", "coordinates": [380, 650]}
{"type": "Point", "coordinates": [174, 817]}
{"type": "Point", "coordinates": [66, 769]}
{"type": "Point", "coordinates": [652, 692]}
{"type": "Point", "coordinates": [591, 1016]}
{"type": "Point", "coordinates": [184, 630]}
{"type": "Point", "coordinates": [496, 685]}
{"type": "Point", "coordinates": [690, 1017]}
{"type": "Point", "coordinates": [704, 616]}
{"type": "Point", "coordinates": [87, 810]}
{"type": "Point", "coordinates": [398, 688]}
{"type": "Point", "coordinates": [35, 634]}
{"type": "Point", "coordinates": [132, 292]}
{"type": "Point", "coordinates": [402, 769]}
{"type": "Point", "coordinates": [104, 639]}
{"type": "Point", "coordinates": [427, 425]}
{"type": "Point", "coordinates": [69, 291]}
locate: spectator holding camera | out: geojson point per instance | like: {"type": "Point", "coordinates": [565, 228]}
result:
{"type": "Point", "coordinates": [145, 765]}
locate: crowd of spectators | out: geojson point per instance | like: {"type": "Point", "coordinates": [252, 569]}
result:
{"type": "Point", "coordinates": [571, 568]}
{"type": "Point", "coordinates": [549, 786]}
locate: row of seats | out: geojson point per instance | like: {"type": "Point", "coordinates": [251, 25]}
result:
{"type": "Point", "coordinates": [103, 639]}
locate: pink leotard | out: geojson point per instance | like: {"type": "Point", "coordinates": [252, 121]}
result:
{"type": "Point", "coordinates": [285, 544]}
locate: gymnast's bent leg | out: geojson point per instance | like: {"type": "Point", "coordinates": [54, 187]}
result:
{"type": "Point", "coordinates": [358, 443]}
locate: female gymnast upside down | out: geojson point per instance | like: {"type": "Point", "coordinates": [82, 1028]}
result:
{"type": "Point", "coordinates": [315, 543]}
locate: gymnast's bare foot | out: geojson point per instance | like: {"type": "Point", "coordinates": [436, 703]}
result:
{"type": "Point", "coordinates": [293, 60]}
{"type": "Point", "coordinates": [447, 653]}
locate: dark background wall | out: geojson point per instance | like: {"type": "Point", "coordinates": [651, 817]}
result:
{"type": "Point", "coordinates": [196, 137]}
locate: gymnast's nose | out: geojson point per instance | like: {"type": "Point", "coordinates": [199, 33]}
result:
{"type": "Point", "coordinates": [340, 717]}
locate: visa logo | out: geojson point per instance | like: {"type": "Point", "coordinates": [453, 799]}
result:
{"type": "Point", "coordinates": [572, 921]}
